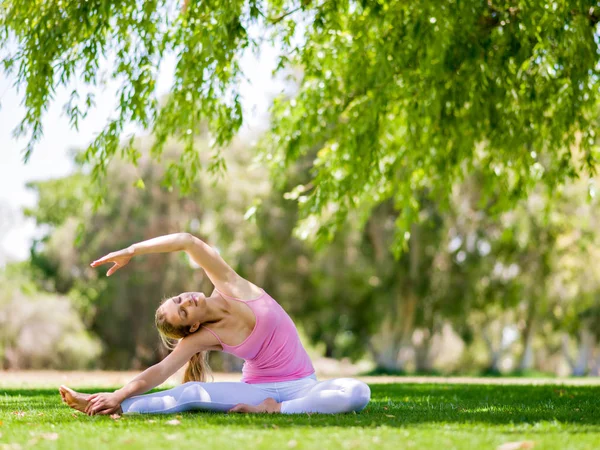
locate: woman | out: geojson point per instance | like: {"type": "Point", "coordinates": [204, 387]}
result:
{"type": "Point", "coordinates": [238, 318]}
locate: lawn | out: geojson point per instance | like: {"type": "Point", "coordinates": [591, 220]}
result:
{"type": "Point", "coordinates": [401, 415]}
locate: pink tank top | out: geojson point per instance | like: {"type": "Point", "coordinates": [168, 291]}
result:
{"type": "Point", "coordinates": [273, 351]}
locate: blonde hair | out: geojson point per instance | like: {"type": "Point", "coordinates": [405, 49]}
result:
{"type": "Point", "coordinates": [197, 368]}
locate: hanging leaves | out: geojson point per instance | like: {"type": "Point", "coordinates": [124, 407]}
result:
{"type": "Point", "coordinates": [393, 98]}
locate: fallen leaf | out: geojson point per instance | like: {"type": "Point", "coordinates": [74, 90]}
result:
{"type": "Point", "coordinates": [293, 443]}
{"type": "Point", "coordinates": [389, 415]}
{"type": "Point", "coordinates": [115, 416]}
{"type": "Point", "coordinates": [170, 437]}
{"type": "Point", "coordinates": [19, 413]}
{"type": "Point", "coordinates": [274, 426]}
{"type": "Point", "coordinates": [151, 421]}
{"type": "Point", "coordinates": [50, 436]}
{"type": "Point", "coordinates": [41, 414]}
{"type": "Point", "coordinates": [173, 422]}
{"type": "Point", "coordinates": [74, 415]}
{"type": "Point", "coordinates": [518, 445]}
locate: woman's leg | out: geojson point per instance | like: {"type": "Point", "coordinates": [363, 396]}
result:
{"type": "Point", "coordinates": [340, 395]}
{"type": "Point", "coordinates": [196, 395]}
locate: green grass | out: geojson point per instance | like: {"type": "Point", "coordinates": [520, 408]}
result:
{"type": "Point", "coordinates": [399, 416]}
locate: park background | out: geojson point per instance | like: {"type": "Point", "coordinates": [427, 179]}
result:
{"type": "Point", "coordinates": [415, 182]}
{"type": "Point", "coordinates": [486, 265]}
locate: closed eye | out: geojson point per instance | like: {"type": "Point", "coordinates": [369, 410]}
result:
{"type": "Point", "coordinates": [183, 312]}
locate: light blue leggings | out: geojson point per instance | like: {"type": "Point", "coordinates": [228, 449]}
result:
{"type": "Point", "coordinates": [305, 395]}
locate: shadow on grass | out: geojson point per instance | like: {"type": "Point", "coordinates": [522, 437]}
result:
{"type": "Point", "coordinates": [397, 405]}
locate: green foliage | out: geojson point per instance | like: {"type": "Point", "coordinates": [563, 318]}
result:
{"type": "Point", "coordinates": [393, 97]}
{"type": "Point", "coordinates": [436, 81]}
{"type": "Point", "coordinates": [464, 266]}
{"type": "Point", "coordinates": [58, 199]}
{"type": "Point", "coordinates": [417, 415]}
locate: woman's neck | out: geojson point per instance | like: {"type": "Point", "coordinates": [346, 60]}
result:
{"type": "Point", "coordinates": [217, 309]}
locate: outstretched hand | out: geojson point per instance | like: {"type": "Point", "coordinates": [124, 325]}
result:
{"type": "Point", "coordinates": [103, 403]}
{"type": "Point", "coordinates": [119, 259]}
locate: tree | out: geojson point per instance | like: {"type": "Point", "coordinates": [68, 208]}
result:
{"type": "Point", "coordinates": [395, 96]}
{"type": "Point", "coordinates": [531, 269]}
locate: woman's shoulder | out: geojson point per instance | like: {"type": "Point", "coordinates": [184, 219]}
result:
{"type": "Point", "coordinates": [201, 340]}
{"type": "Point", "coordinates": [241, 290]}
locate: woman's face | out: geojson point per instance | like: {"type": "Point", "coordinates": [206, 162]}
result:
{"type": "Point", "coordinates": [186, 309]}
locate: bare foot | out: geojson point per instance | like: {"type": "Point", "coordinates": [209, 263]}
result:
{"type": "Point", "coordinates": [268, 406]}
{"type": "Point", "coordinates": [75, 400]}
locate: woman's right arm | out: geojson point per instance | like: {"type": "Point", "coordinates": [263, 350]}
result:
{"type": "Point", "coordinates": [103, 403]}
{"type": "Point", "coordinates": [220, 273]}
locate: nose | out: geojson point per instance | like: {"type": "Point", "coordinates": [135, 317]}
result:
{"type": "Point", "coordinates": [190, 299]}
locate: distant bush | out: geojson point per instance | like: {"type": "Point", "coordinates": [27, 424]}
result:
{"type": "Point", "coordinates": [42, 331]}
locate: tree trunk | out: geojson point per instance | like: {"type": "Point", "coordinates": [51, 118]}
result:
{"type": "Point", "coordinates": [595, 365]}
{"type": "Point", "coordinates": [423, 351]}
{"type": "Point", "coordinates": [526, 362]}
{"type": "Point", "coordinates": [495, 354]}
{"type": "Point", "coordinates": [394, 334]}
{"type": "Point", "coordinates": [329, 348]}
{"type": "Point", "coordinates": [586, 345]}
{"type": "Point", "coordinates": [566, 352]}
{"type": "Point", "coordinates": [399, 320]}
{"type": "Point", "coordinates": [386, 358]}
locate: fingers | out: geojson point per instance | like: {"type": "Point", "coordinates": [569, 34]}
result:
{"type": "Point", "coordinates": [93, 410]}
{"type": "Point", "coordinates": [106, 260]}
{"type": "Point", "coordinates": [103, 260]}
{"type": "Point", "coordinates": [92, 405]}
{"type": "Point", "coordinates": [240, 407]}
{"type": "Point", "coordinates": [112, 270]}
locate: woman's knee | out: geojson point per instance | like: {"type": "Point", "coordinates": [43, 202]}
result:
{"type": "Point", "coordinates": [360, 395]}
{"type": "Point", "coordinates": [356, 394]}
{"type": "Point", "coordinates": [194, 391]}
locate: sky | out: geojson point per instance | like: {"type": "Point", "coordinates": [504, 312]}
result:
{"type": "Point", "coordinates": [51, 159]}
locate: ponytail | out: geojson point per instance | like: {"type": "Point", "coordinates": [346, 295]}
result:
{"type": "Point", "coordinates": [197, 368]}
